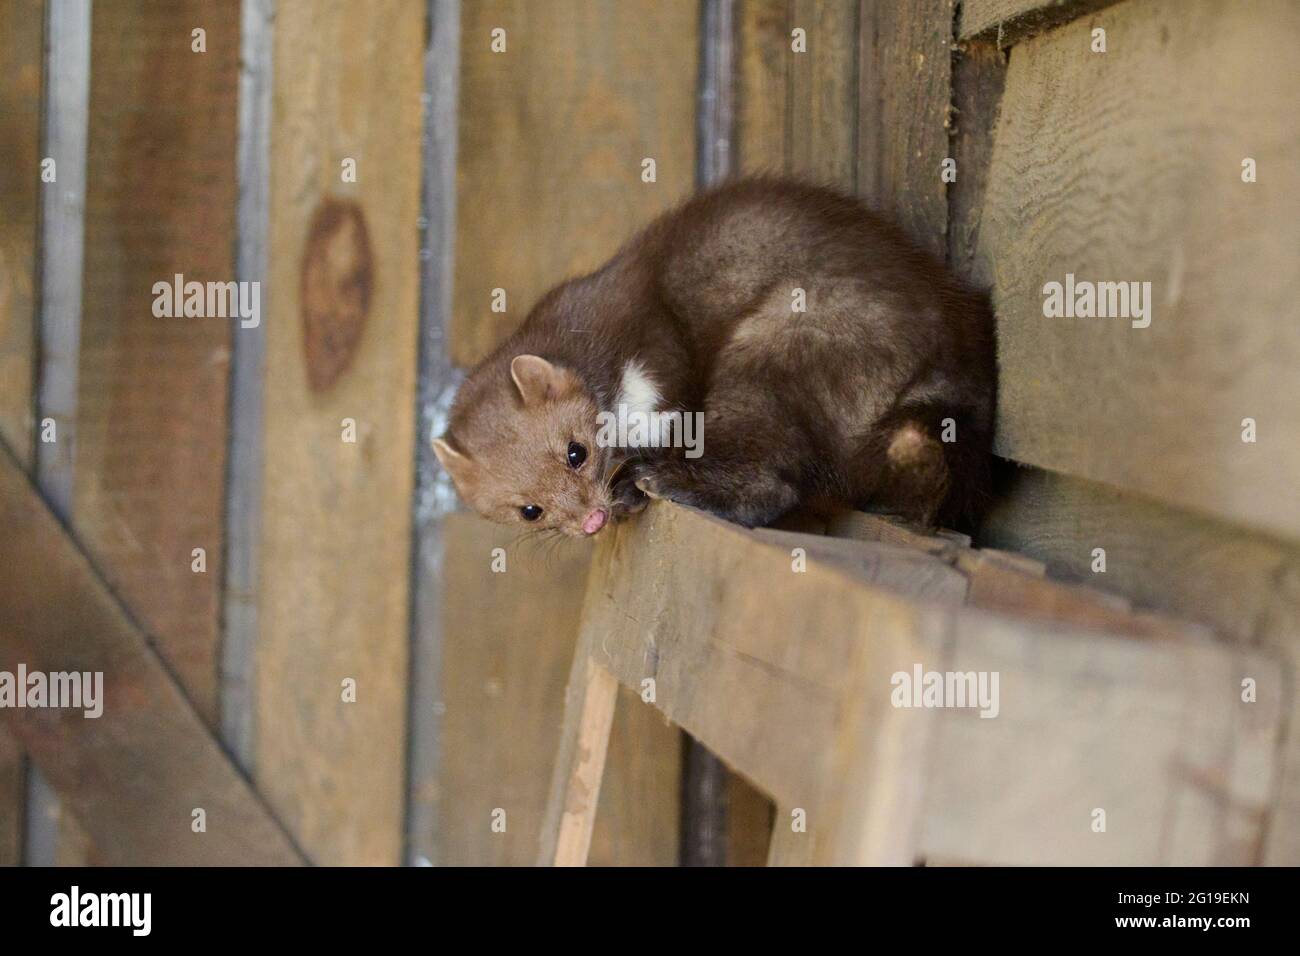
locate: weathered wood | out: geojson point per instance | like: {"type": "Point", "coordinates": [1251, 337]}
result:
{"type": "Point", "coordinates": [864, 526]}
{"type": "Point", "coordinates": [508, 649]}
{"type": "Point", "coordinates": [789, 847]}
{"type": "Point", "coordinates": [749, 822]}
{"type": "Point", "coordinates": [902, 569]}
{"type": "Point", "coordinates": [134, 775]}
{"type": "Point", "coordinates": [12, 784]}
{"type": "Point", "coordinates": [572, 76]}
{"type": "Point", "coordinates": [763, 80]}
{"type": "Point", "coordinates": [552, 137]}
{"type": "Point", "coordinates": [798, 110]}
{"type": "Point", "coordinates": [1154, 732]}
{"type": "Point", "coordinates": [341, 337]}
{"type": "Point", "coordinates": [823, 104]}
{"type": "Point", "coordinates": [638, 817]}
{"type": "Point", "coordinates": [1010, 21]}
{"type": "Point", "coordinates": [1246, 586]}
{"type": "Point", "coordinates": [152, 392]}
{"type": "Point", "coordinates": [21, 64]}
{"type": "Point", "coordinates": [1096, 161]}
{"type": "Point", "coordinates": [579, 763]}
{"type": "Point", "coordinates": [979, 73]}
{"type": "Point", "coordinates": [905, 91]}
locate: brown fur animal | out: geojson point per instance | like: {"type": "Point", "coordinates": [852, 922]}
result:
{"type": "Point", "coordinates": [832, 361]}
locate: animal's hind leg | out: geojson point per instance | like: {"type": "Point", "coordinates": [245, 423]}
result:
{"type": "Point", "coordinates": [914, 479]}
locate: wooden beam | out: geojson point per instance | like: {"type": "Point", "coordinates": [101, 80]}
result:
{"type": "Point", "coordinates": [341, 335]}
{"type": "Point", "coordinates": [572, 75]}
{"type": "Point", "coordinates": [553, 132]}
{"type": "Point", "coordinates": [1009, 21]}
{"type": "Point", "coordinates": [905, 92]}
{"type": "Point", "coordinates": [823, 97]}
{"type": "Point", "coordinates": [798, 110]}
{"type": "Point", "coordinates": [1246, 586]}
{"type": "Point", "coordinates": [788, 677]}
{"type": "Point", "coordinates": [152, 392]}
{"type": "Point", "coordinates": [1085, 139]}
{"type": "Point", "coordinates": [510, 644]}
{"type": "Point", "coordinates": [135, 775]}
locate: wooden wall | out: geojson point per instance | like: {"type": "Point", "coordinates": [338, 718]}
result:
{"type": "Point", "coordinates": [343, 294]}
{"type": "Point", "coordinates": [1127, 165]}
{"type": "Point", "coordinates": [1123, 165]}
{"type": "Point", "coordinates": [552, 136]}
{"type": "Point", "coordinates": [21, 63]}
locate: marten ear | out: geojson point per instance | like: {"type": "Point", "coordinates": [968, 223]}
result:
{"type": "Point", "coordinates": [459, 466]}
{"type": "Point", "coordinates": [538, 380]}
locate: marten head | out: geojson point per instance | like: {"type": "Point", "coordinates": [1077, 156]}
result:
{"type": "Point", "coordinates": [524, 450]}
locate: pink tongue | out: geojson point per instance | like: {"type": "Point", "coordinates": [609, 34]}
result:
{"type": "Point", "coordinates": [594, 521]}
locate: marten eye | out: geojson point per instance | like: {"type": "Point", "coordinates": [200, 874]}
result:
{"type": "Point", "coordinates": [530, 512]}
{"type": "Point", "coordinates": [577, 455]}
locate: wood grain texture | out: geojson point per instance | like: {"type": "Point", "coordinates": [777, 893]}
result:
{"type": "Point", "coordinates": [905, 91]}
{"type": "Point", "coordinates": [20, 184]}
{"type": "Point", "coordinates": [1246, 586]}
{"type": "Point", "coordinates": [1153, 733]}
{"type": "Point", "coordinates": [336, 516]}
{"type": "Point", "coordinates": [763, 85]}
{"type": "Point", "coordinates": [21, 62]}
{"type": "Point", "coordinates": [787, 677]}
{"type": "Point", "coordinates": [152, 392]}
{"type": "Point", "coordinates": [134, 775]}
{"type": "Point", "coordinates": [823, 100]}
{"type": "Point", "coordinates": [798, 111]}
{"type": "Point", "coordinates": [580, 762]}
{"type": "Point", "coordinates": [509, 640]}
{"type": "Point", "coordinates": [1010, 21]}
{"type": "Point", "coordinates": [1126, 166]}
{"type": "Point", "coordinates": [979, 73]}
{"type": "Point", "coordinates": [552, 135]}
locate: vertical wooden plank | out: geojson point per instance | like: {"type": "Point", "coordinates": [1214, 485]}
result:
{"type": "Point", "coordinates": [763, 77]}
{"type": "Point", "coordinates": [798, 110]}
{"type": "Point", "coordinates": [579, 763]}
{"type": "Point", "coordinates": [638, 818]}
{"type": "Point", "coordinates": [152, 392]}
{"type": "Point", "coordinates": [341, 337]}
{"type": "Point", "coordinates": [509, 647]}
{"type": "Point", "coordinates": [553, 133]}
{"type": "Point", "coordinates": [21, 46]}
{"type": "Point", "coordinates": [903, 102]}
{"type": "Point", "coordinates": [823, 140]}
{"type": "Point", "coordinates": [509, 644]}
{"type": "Point", "coordinates": [1127, 167]}
{"type": "Point", "coordinates": [1245, 585]}
{"type": "Point", "coordinates": [21, 62]}
{"type": "Point", "coordinates": [979, 74]}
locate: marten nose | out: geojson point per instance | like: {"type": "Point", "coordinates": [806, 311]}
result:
{"type": "Point", "coordinates": [594, 521]}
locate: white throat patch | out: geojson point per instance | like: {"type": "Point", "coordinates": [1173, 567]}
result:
{"type": "Point", "coordinates": [637, 392]}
